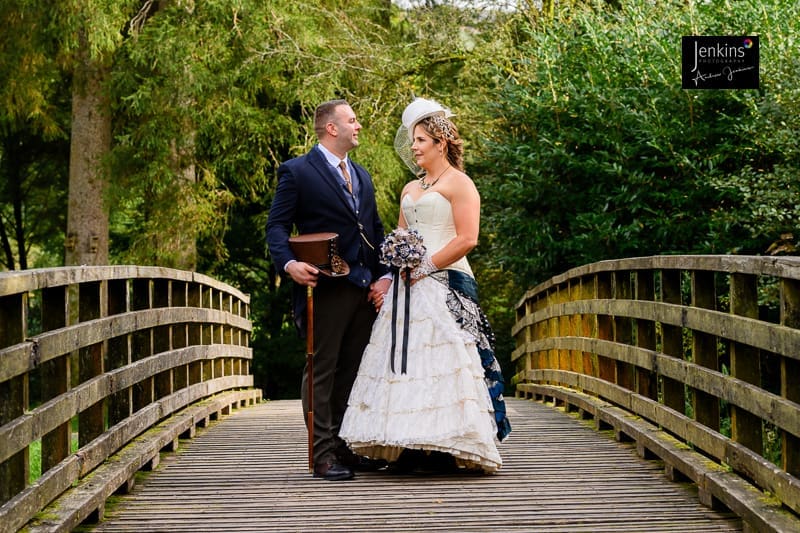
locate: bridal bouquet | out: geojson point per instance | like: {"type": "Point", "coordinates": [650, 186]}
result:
{"type": "Point", "coordinates": [402, 248]}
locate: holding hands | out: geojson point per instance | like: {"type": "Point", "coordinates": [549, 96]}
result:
{"type": "Point", "coordinates": [377, 292]}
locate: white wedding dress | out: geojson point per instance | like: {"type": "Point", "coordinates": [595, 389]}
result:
{"type": "Point", "coordinates": [441, 403]}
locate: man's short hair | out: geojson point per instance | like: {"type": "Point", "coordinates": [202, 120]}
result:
{"type": "Point", "coordinates": [324, 114]}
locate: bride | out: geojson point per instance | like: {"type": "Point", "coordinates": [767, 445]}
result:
{"type": "Point", "coordinates": [445, 400]}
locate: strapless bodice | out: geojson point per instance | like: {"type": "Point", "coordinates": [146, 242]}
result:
{"type": "Point", "coordinates": [432, 216]}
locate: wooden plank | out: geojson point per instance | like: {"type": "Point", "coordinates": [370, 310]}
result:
{"type": "Point", "coordinates": [14, 436]}
{"type": "Point", "coordinates": [249, 473]}
{"type": "Point", "coordinates": [89, 495]}
{"type": "Point", "coordinates": [764, 404]}
{"type": "Point", "coordinates": [741, 459]}
{"type": "Point", "coordinates": [781, 340]}
{"type": "Point", "coordinates": [25, 355]}
{"type": "Point", "coordinates": [21, 281]}
{"type": "Point", "coordinates": [782, 267]}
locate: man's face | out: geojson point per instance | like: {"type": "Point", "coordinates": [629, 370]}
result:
{"type": "Point", "coordinates": [347, 128]}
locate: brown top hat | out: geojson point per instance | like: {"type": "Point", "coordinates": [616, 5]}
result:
{"type": "Point", "coordinates": [319, 249]}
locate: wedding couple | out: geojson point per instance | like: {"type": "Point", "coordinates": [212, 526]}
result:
{"type": "Point", "coordinates": [409, 381]}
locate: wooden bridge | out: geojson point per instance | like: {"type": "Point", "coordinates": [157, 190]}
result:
{"type": "Point", "coordinates": [653, 394]}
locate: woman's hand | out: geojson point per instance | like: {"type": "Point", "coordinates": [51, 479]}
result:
{"type": "Point", "coordinates": [377, 292]}
{"type": "Point", "coordinates": [425, 267]}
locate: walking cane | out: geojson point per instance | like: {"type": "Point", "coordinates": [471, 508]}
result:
{"type": "Point", "coordinates": [318, 249]}
{"type": "Point", "coordinates": [310, 370]}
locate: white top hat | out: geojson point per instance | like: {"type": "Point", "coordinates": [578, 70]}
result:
{"type": "Point", "coordinates": [417, 110]}
{"type": "Point", "coordinates": [421, 108]}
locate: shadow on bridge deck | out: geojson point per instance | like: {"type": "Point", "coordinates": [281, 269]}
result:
{"type": "Point", "coordinates": [248, 472]}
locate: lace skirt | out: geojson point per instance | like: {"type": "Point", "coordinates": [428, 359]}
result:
{"type": "Point", "coordinates": [441, 402]}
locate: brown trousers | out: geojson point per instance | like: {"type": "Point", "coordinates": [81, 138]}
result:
{"type": "Point", "coordinates": [342, 326]}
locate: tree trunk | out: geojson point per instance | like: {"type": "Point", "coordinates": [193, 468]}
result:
{"type": "Point", "coordinates": [19, 223]}
{"type": "Point", "coordinates": [187, 257]}
{"type": "Point", "coordinates": [87, 213]}
{"type": "Point", "coordinates": [6, 245]}
{"type": "Point", "coordinates": [9, 168]}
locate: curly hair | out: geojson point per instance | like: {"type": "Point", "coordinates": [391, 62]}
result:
{"type": "Point", "coordinates": [443, 131]}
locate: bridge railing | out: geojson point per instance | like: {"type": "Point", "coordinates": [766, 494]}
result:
{"type": "Point", "coordinates": [695, 358]}
{"type": "Point", "coordinates": [94, 360]}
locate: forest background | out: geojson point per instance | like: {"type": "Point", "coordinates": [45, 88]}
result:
{"type": "Point", "coordinates": [149, 132]}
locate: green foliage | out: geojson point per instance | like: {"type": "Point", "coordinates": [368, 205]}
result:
{"type": "Point", "coordinates": [35, 451]}
{"type": "Point", "coordinates": [764, 204]}
{"type": "Point", "coordinates": [600, 154]}
{"type": "Point", "coordinates": [576, 131]}
{"type": "Point", "coordinates": [32, 198]}
{"type": "Point", "coordinates": [34, 140]}
{"type": "Point", "coordinates": [230, 87]}
{"type": "Point", "coordinates": [91, 27]}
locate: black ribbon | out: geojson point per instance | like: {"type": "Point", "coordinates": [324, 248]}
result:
{"type": "Point", "coordinates": [404, 355]}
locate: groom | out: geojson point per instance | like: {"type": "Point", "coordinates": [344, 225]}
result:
{"type": "Point", "coordinates": [324, 191]}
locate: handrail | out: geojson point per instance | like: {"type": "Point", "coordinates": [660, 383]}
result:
{"type": "Point", "coordinates": [701, 352]}
{"type": "Point", "coordinates": [118, 351]}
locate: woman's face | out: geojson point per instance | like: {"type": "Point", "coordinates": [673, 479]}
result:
{"type": "Point", "coordinates": [425, 149]}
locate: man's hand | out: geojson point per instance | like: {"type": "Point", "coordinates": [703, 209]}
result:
{"type": "Point", "coordinates": [303, 273]}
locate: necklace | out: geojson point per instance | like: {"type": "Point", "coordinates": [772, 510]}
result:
{"type": "Point", "coordinates": [425, 186]}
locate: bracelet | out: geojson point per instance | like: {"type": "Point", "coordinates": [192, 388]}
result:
{"type": "Point", "coordinates": [424, 268]}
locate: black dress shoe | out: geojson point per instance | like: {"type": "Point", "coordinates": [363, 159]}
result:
{"type": "Point", "coordinates": [365, 464]}
{"type": "Point", "coordinates": [407, 462]}
{"type": "Point", "coordinates": [424, 463]}
{"type": "Point", "coordinates": [360, 463]}
{"type": "Point", "coordinates": [332, 471]}
{"type": "Point", "coordinates": [439, 463]}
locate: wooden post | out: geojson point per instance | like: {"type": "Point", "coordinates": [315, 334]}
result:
{"type": "Point", "coordinates": [605, 327]}
{"type": "Point", "coordinates": [522, 338]}
{"type": "Point", "coordinates": [790, 369]}
{"type": "Point", "coordinates": [745, 362]}
{"type": "Point", "coordinates": [539, 359]}
{"type": "Point", "coordinates": [91, 422]}
{"type": "Point", "coordinates": [207, 337]}
{"type": "Point", "coordinates": [13, 393]}
{"type": "Point", "coordinates": [55, 377]}
{"type": "Point", "coordinates": [564, 326]}
{"type": "Point", "coordinates": [195, 333]}
{"type": "Point", "coordinates": [646, 380]}
{"type": "Point", "coordinates": [227, 331]}
{"type": "Point", "coordinates": [180, 377]}
{"type": "Point", "coordinates": [118, 351]}
{"type": "Point", "coordinates": [704, 349]}
{"type": "Point", "coordinates": [576, 356]}
{"type": "Point", "coordinates": [623, 329]}
{"type": "Point", "coordinates": [588, 323]}
{"type": "Point", "coordinates": [162, 337]}
{"type": "Point", "coordinates": [141, 342]}
{"type": "Point", "coordinates": [216, 333]}
{"type": "Point", "coordinates": [553, 298]}
{"type": "Point", "coordinates": [674, 392]}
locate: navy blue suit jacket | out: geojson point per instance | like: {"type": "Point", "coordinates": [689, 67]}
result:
{"type": "Point", "coordinates": [310, 197]}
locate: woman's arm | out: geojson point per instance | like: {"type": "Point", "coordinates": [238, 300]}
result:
{"type": "Point", "coordinates": [465, 201]}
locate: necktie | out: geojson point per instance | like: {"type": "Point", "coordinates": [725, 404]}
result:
{"type": "Point", "coordinates": [346, 175]}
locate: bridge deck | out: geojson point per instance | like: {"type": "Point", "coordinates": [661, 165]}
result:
{"type": "Point", "coordinates": [248, 473]}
